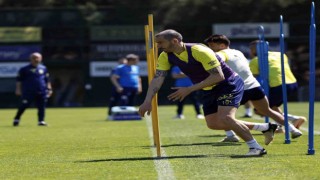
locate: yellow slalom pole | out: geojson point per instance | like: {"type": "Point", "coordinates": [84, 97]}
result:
{"type": "Point", "coordinates": [152, 72]}
{"type": "Point", "coordinates": [146, 35]}
{"type": "Point", "coordinates": [154, 113]}
{"type": "Point", "coordinates": [150, 69]}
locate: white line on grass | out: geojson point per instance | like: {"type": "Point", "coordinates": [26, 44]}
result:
{"type": "Point", "coordinates": [307, 130]}
{"type": "Point", "coordinates": [163, 166]}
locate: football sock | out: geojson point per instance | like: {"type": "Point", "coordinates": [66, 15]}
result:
{"type": "Point", "coordinates": [230, 133]}
{"type": "Point", "coordinates": [254, 144]}
{"type": "Point", "coordinates": [248, 112]}
{"type": "Point", "coordinates": [261, 126]}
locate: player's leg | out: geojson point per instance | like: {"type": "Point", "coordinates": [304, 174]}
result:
{"type": "Point", "coordinates": [124, 100]}
{"type": "Point", "coordinates": [224, 119]}
{"type": "Point", "coordinates": [266, 128]}
{"type": "Point", "coordinates": [296, 120]}
{"type": "Point", "coordinates": [196, 104]}
{"type": "Point", "coordinates": [275, 102]}
{"type": "Point", "coordinates": [26, 100]}
{"type": "Point", "coordinates": [248, 109]}
{"type": "Point", "coordinates": [131, 94]}
{"type": "Point", "coordinates": [114, 99]}
{"type": "Point", "coordinates": [262, 106]}
{"type": "Point", "coordinates": [220, 112]}
{"type": "Point", "coordinates": [41, 102]}
{"type": "Point", "coordinates": [180, 105]}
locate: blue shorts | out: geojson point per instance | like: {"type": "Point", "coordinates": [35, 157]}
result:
{"type": "Point", "coordinates": [40, 98]}
{"type": "Point", "coordinates": [228, 93]}
{"type": "Point", "coordinates": [275, 94]}
{"type": "Point", "coordinates": [253, 94]}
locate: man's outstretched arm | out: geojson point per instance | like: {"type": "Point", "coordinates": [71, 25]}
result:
{"type": "Point", "coordinates": [153, 88]}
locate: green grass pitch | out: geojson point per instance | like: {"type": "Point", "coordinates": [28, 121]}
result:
{"type": "Point", "coordinates": [80, 144]}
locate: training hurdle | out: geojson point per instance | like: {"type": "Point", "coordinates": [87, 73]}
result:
{"type": "Point", "coordinates": [284, 85]}
{"type": "Point", "coordinates": [262, 53]}
{"type": "Point", "coordinates": [312, 55]}
{"type": "Point", "coordinates": [151, 54]}
{"type": "Point", "coordinates": [312, 51]}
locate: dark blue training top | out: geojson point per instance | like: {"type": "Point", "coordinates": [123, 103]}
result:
{"type": "Point", "coordinates": [33, 79]}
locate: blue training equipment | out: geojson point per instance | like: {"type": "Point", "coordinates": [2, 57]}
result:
{"type": "Point", "coordinates": [312, 51]}
{"type": "Point", "coordinates": [284, 84]}
{"type": "Point", "coordinates": [122, 113]}
{"type": "Point", "coordinates": [262, 53]}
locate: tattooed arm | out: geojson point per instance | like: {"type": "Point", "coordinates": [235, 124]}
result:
{"type": "Point", "coordinates": [155, 84]}
{"type": "Point", "coordinates": [216, 76]}
{"type": "Point", "coordinates": [154, 87]}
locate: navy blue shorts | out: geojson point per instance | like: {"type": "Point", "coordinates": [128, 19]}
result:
{"type": "Point", "coordinates": [227, 93]}
{"type": "Point", "coordinates": [253, 94]}
{"type": "Point", "coordinates": [275, 94]}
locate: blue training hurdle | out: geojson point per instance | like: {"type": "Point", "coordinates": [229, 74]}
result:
{"type": "Point", "coordinates": [284, 85]}
{"type": "Point", "coordinates": [312, 52]}
{"type": "Point", "coordinates": [262, 53]}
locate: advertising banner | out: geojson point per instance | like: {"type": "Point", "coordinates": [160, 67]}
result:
{"type": "Point", "coordinates": [117, 50]}
{"type": "Point", "coordinates": [103, 68]}
{"type": "Point", "coordinates": [250, 30]}
{"type": "Point", "coordinates": [17, 52]}
{"type": "Point", "coordinates": [20, 34]}
{"type": "Point", "coordinates": [102, 33]}
{"type": "Point", "coordinates": [10, 70]}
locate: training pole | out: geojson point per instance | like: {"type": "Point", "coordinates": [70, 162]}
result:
{"type": "Point", "coordinates": [262, 52]}
{"type": "Point", "coordinates": [151, 61]}
{"type": "Point", "coordinates": [312, 52]}
{"type": "Point", "coordinates": [284, 85]}
{"type": "Point", "coordinates": [150, 68]}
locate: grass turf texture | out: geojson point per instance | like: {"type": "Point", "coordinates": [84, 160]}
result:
{"type": "Point", "coordinates": [80, 144]}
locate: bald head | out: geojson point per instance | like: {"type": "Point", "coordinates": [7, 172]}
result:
{"type": "Point", "coordinates": [35, 58]}
{"type": "Point", "coordinates": [169, 34]}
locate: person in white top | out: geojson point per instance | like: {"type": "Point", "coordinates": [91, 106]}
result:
{"type": "Point", "coordinates": [252, 89]}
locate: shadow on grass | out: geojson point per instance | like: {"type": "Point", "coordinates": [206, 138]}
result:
{"type": "Point", "coordinates": [200, 144]}
{"type": "Point", "coordinates": [205, 144]}
{"type": "Point", "coordinates": [164, 158]}
{"type": "Point", "coordinates": [223, 135]}
{"type": "Point", "coordinates": [244, 156]}
{"type": "Point", "coordinates": [110, 121]}
{"type": "Point", "coordinates": [215, 135]}
{"type": "Point", "coordinates": [142, 158]}
{"type": "Point", "coordinates": [235, 156]}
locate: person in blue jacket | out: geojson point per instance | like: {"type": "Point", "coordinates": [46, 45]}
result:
{"type": "Point", "coordinates": [33, 85]}
{"type": "Point", "coordinates": [126, 80]}
{"type": "Point", "coordinates": [115, 95]}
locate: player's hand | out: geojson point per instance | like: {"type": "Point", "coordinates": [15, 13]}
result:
{"type": "Point", "coordinates": [49, 93]}
{"type": "Point", "coordinates": [145, 107]}
{"type": "Point", "coordinates": [179, 94]}
{"type": "Point", "coordinates": [18, 92]}
{"type": "Point", "coordinates": [119, 89]}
